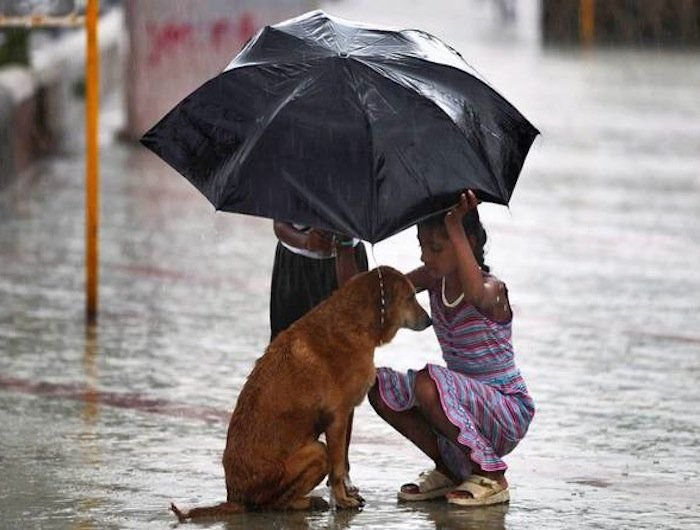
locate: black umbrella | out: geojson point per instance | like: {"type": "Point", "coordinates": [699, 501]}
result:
{"type": "Point", "coordinates": [338, 125]}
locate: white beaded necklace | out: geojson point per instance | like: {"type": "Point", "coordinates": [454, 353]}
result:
{"type": "Point", "coordinates": [444, 298]}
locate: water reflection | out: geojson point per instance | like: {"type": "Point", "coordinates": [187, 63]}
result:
{"type": "Point", "coordinates": [89, 414]}
{"type": "Point", "coordinates": [448, 517]}
{"type": "Point", "coordinates": [88, 437]}
{"type": "Point", "coordinates": [442, 515]}
{"type": "Point", "coordinates": [331, 520]}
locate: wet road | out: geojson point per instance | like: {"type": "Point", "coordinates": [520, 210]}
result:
{"type": "Point", "coordinates": [103, 428]}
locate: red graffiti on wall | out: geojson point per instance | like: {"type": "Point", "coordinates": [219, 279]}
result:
{"type": "Point", "coordinates": [246, 26]}
{"type": "Point", "coordinates": [225, 30]}
{"type": "Point", "coordinates": [220, 32]}
{"type": "Point", "coordinates": [169, 38]}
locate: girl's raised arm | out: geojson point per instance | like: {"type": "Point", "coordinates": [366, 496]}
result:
{"type": "Point", "coordinates": [486, 293]}
{"type": "Point", "coordinates": [421, 279]}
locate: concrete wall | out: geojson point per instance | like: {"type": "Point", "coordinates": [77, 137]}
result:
{"type": "Point", "coordinates": [174, 47]}
{"type": "Point", "coordinates": [170, 49]}
{"type": "Point", "coordinates": [37, 103]}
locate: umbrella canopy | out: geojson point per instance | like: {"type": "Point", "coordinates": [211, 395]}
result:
{"type": "Point", "coordinates": [336, 125]}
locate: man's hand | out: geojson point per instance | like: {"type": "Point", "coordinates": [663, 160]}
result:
{"type": "Point", "coordinates": [319, 241]}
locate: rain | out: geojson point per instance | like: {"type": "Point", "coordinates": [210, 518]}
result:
{"type": "Point", "coordinates": [106, 424]}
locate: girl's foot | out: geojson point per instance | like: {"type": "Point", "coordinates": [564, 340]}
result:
{"type": "Point", "coordinates": [498, 476]}
{"type": "Point", "coordinates": [430, 485]}
{"type": "Point", "coordinates": [480, 490]}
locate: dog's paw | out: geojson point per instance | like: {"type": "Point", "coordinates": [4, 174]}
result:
{"type": "Point", "coordinates": [356, 495]}
{"type": "Point", "coordinates": [349, 503]}
{"type": "Point", "coordinates": [350, 488]}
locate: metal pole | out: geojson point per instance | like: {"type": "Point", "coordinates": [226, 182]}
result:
{"type": "Point", "coordinates": [586, 18]}
{"type": "Point", "coordinates": [92, 181]}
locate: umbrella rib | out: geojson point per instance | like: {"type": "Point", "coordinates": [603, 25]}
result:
{"type": "Point", "coordinates": [235, 163]}
{"type": "Point", "coordinates": [504, 103]}
{"type": "Point", "coordinates": [327, 20]}
{"type": "Point", "coordinates": [310, 44]}
{"type": "Point", "coordinates": [334, 34]}
{"type": "Point", "coordinates": [373, 43]}
{"type": "Point", "coordinates": [370, 139]}
{"type": "Point", "coordinates": [452, 125]}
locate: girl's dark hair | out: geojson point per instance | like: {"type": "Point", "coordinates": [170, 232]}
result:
{"type": "Point", "coordinates": [472, 227]}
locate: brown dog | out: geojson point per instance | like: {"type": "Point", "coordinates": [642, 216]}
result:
{"type": "Point", "coordinates": [308, 382]}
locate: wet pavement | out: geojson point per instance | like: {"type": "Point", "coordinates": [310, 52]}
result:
{"type": "Point", "coordinates": [104, 427]}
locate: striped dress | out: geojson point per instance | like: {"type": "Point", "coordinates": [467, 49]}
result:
{"type": "Point", "coordinates": [481, 390]}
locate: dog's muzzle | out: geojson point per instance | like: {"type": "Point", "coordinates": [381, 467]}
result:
{"type": "Point", "coordinates": [422, 322]}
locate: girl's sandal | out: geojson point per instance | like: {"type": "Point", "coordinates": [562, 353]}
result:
{"type": "Point", "coordinates": [484, 492]}
{"type": "Point", "coordinates": [430, 485]}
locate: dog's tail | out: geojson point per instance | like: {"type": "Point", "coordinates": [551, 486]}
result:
{"type": "Point", "coordinates": [220, 510]}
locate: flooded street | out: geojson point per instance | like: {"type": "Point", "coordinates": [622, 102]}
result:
{"type": "Point", "coordinates": [104, 427]}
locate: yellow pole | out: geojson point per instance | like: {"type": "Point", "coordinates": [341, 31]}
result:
{"type": "Point", "coordinates": [92, 181]}
{"type": "Point", "coordinates": [586, 18]}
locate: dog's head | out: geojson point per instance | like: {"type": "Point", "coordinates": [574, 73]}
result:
{"type": "Point", "coordinates": [398, 305]}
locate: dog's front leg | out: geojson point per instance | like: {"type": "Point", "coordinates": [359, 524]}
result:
{"type": "Point", "coordinates": [336, 437]}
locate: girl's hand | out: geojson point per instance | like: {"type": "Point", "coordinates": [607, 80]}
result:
{"type": "Point", "coordinates": [453, 218]}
